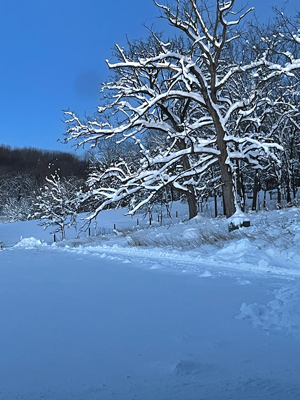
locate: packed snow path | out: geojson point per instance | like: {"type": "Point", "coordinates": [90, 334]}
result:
{"type": "Point", "coordinates": [77, 326]}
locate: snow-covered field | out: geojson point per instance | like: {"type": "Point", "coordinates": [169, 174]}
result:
{"type": "Point", "coordinates": [186, 311]}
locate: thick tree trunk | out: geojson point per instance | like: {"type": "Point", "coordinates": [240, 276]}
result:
{"type": "Point", "coordinates": [190, 195]}
{"type": "Point", "coordinates": [211, 100]}
{"type": "Point", "coordinates": [226, 173]}
{"type": "Point", "coordinates": [228, 194]}
{"type": "Point", "coordinates": [192, 203]}
{"type": "Point", "coordinates": [224, 206]}
{"type": "Point", "coordinates": [227, 180]}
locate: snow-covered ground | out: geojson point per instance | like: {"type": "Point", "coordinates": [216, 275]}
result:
{"type": "Point", "coordinates": [185, 311]}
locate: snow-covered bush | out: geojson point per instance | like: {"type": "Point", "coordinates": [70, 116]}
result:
{"type": "Point", "coordinates": [18, 210]}
{"type": "Point", "coordinates": [57, 204]}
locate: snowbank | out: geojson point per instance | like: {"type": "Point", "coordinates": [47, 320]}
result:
{"type": "Point", "coordinates": [29, 243]}
{"type": "Point", "coordinates": [283, 313]}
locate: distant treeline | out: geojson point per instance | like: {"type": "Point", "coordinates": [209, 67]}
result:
{"type": "Point", "coordinates": [40, 163]}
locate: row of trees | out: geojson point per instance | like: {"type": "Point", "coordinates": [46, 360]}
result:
{"type": "Point", "coordinates": [211, 111]}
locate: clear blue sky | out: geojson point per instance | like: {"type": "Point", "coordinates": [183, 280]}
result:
{"type": "Point", "coordinates": [52, 57]}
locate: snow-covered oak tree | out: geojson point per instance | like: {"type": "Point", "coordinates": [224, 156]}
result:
{"type": "Point", "coordinates": [162, 164]}
{"type": "Point", "coordinates": [204, 102]}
